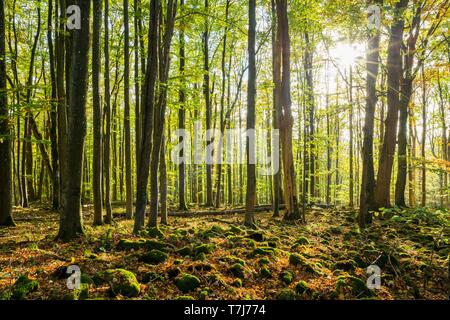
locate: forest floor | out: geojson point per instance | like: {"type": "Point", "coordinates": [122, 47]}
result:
{"type": "Point", "coordinates": [215, 257]}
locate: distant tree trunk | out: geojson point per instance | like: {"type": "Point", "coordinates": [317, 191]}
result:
{"type": "Point", "coordinates": [444, 192]}
{"type": "Point", "coordinates": [406, 89]}
{"type": "Point", "coordinates": [206, 93]}
{"type": "Point", "coordinates": [107, 137]}
{"type": "Point", "coordinates": [350, 120]}
{"type": "Point", "coordinates": [424, 137]}
{"type": "Point", "coordinates": [97, 116]}
{"type": "Point", "coordinates": [163, 183]}
{"type": "Point", "coordinates": [182, 119]}
{"type": "Point", "coordinates": [61, 94]}
{"type": "Point", "coordinates": [394, 62]}
{"type": "Point", "coordinates": [160, 110]}
{"type": "Point", "coordinates": [137, 89]}
{"type": "Point", "coordinates": [251, 104]}
{"type": "Point", "coordinates": [53, 112]}
{"type": "Point", "coordinates": [366, 200]}
{"type": "Point", "coordinates": [276, 75]}
{"type": "Point", "coordinates": [411, 164]}
{"type": "Point", "coordinates": [6, 218]}
{"type": "Point", "coordinates": [71, 222]}
{"type": "Point", "coordinates": [308, 60]}
{"type": "Point", "coordinates": [126, 124]}
{"type": "Point", "coordinates": [285, 118]}
{"type": "Point", "coordinates": [222, 108]}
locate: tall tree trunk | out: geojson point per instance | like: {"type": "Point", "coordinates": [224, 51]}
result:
{"type": "Point", "coordinates": [126, 124]}
{"type": "Point", "coordinates": [222, 108]}
{"type": "Point", "coordinates": [97, 116]}
{"type": "Point", "coordinates": [285, 118]}
{"type": "Point", "coordinates": [71, 222]}
{"type": "Point", "coordinates": [206, 93]}
{"type": "Point", "coordinates": [424, 137]}
{"type": "Point", "coordinates": [53, 112]}
{"type": "Point", "coordinates": [394, 62]}
{"type": "Point", "coordinates": [251, 114]}
{"type": "Point", "coordinates": [61, 94]}
{"type": "Point", "coordinates": [160, 110]}
{"type": "Point", "coordinates": [351, 161]}
{"type": "Point", "coordinates": [148, 105]}
{"type": "Point", "coordinates": [366, 200]}
{"type": "Point", "coordinates": [107, 136]}
{"type": "Point", "coordinates": [5, 134]}
{"type": "Point", "coordinates": [276, 75]}
{"type": "Point", "coordinates": [182, 118]}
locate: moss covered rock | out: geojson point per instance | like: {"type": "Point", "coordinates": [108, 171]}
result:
{"type": "Point", "coordinates": [353, 284]}
{"type": "Point", "coordinates": [264, 251]}
{"type": "Point", "coordinates": [187, 282]}
{"type": "Point", "coordinates": [286, 294]}
{"type": "Point", "coordinates": [263, 261]}
{"type": "Point", "coordinates": [302, 241]}
{"type": "Point", "coordinates": [301, 287]}
{"type": "Point", "coordinates": [237, 283]}
{"type": "Point", "coordinates": [237, 270]}
{"type": "Point", "coordinates": [265, 272]}
{"type": "Point", "coordinates": [23, 286]}
{"type": "Point", "coordinates": [154, 257]}
{"type": "Point", "coordinates": [184, 298]}
{"type": "Point", "coordinates": [122, 282]}
{"type": "Point", "coordinates": [204, 248]}
{"type": "Point", "coordinates": [346, 265]}
{"type": "Point", "coordinates": [185, 251]}
{"type": "Point", "coordinates": [154, 232]}
{"type": "Point", "coordinates": [286, 277]}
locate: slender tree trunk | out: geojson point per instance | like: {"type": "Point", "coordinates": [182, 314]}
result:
{"type": "Point", "coordinates": [126, 124]}
{"type": "Point", "coordinates": [97, 116]}
{"type": "Point", "coordinates": [424, 137]}
{"type": "Point", "coordinates": [5, 134]}
{"type": "Point", "coordinates": [351, 161]}
{"type": "Point", "coordinates": [107, 112]}
{"type": "Point", "coordinates": [251, 114]}
{"type": "Point", "coordinates": [71, 223]}
{"type": "Point", "coordinates": [394, 62]}
{"type": "Point", "coordinates": [366, 200]}
{"type": "Point", "coordinates": [148, 104]}
{"type": "Point", "coordinates": [182, 119]}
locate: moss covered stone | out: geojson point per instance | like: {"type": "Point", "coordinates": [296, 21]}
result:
{"type": "Point", "coordinates": [200, 257]}
{"type": "Point", "coordinates": [286, 294]}
{"type": "Point", "coordinates": [302, 241]}
{"type": "Point", "coordinates": [184, 298]}
{"type": "Point", "coordinates": [263, 261]}
{"type": "Point", "coordinates": [236, 230]}
{"type": "Point", "coordinates": [237, 283]}
{"type": "Point", "coordinates": [154, 232]}
{"type": "Point", "coordinates": [356, 285]}
{"type": "Point", "coordinates": [187, 282]}
{"type": "Point", "coordinates": [265, 272]}
{"type": "Point", "coordinates": [23, 286]}
{"type": "Point", "coordinates": [185, 251]}
{"type": "Point", "coordinates": [286, 277]}
{"type": "Point", "coordinates": [204, 248]}
{"type": "Point", "coordinates": [122, 282]}
{"type": "Point", "coordinates": [301, 287]}
{"type": "Point", "coordinates": [154, 257]}
{"type": "Point", "coordinates": [264, 251]}
{"type": "Point", "coordinates": [237, 270]}
{"type": "Point", "coordinates": [346, 265]}
{"type": "Point", "coordinates": [232, 259]}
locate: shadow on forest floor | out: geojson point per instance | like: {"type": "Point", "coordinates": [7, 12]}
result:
{"type": "Point", "coordinates": [215, 257]}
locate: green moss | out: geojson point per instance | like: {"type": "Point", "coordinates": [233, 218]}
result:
{"type": "Point", "coordinates": [265, 272]}
{"type": "Point", "coordinates": [264, 251]}
{"type": "Point", "coordinates": [185, 251]}
{"type": "Point", "coordinates": [237, 270]}
{"type": "Point", "coordinates": [82, 293]}
{"type": "Point", "coordinates": [154, 257]}
{"type": "Point", "coordinates": [23, 286]}
{"type": "Point", "coordinates": [286, 294]}
{"type": "Point", "coordinates": [302, 241]}
{"type": "Point", "coordinates": [237, 283]}
{"type": "Point", "coordinates": [152, 276]}
{"type": "Point", "coordinates": [204, 248]}
{"type": "Point", "coordinates": [286, 277]}
{"type": "Point", "coordinates": [126, 244]}
{"type": "Point", "coordinates": [301, 287]}
{"type": "Point", "coordinates": [122, 282]}
{"type": "Point", "coordinates": [356, 285]}
{"type": "Point", "coordinates": [203, 294]}
{"type": "Point", "coordinates": [200, 257]}
{"type": "Point", "coordinates": [298, 260]}
{"type": "Point", "coordinates": [232, 260]}
{"type": "Point", "coordinates": [154, 232]}
{"type": "Point", "coordinates": [187, 282]}
{"type": "Point", "coordinates": [236, 230]}
{"type": "Point", "coordinates": [184, 298]}
{"type": "Point", "coordinates": [346, 265]}
{"type": "Point", "coordinates": [263, 261]}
